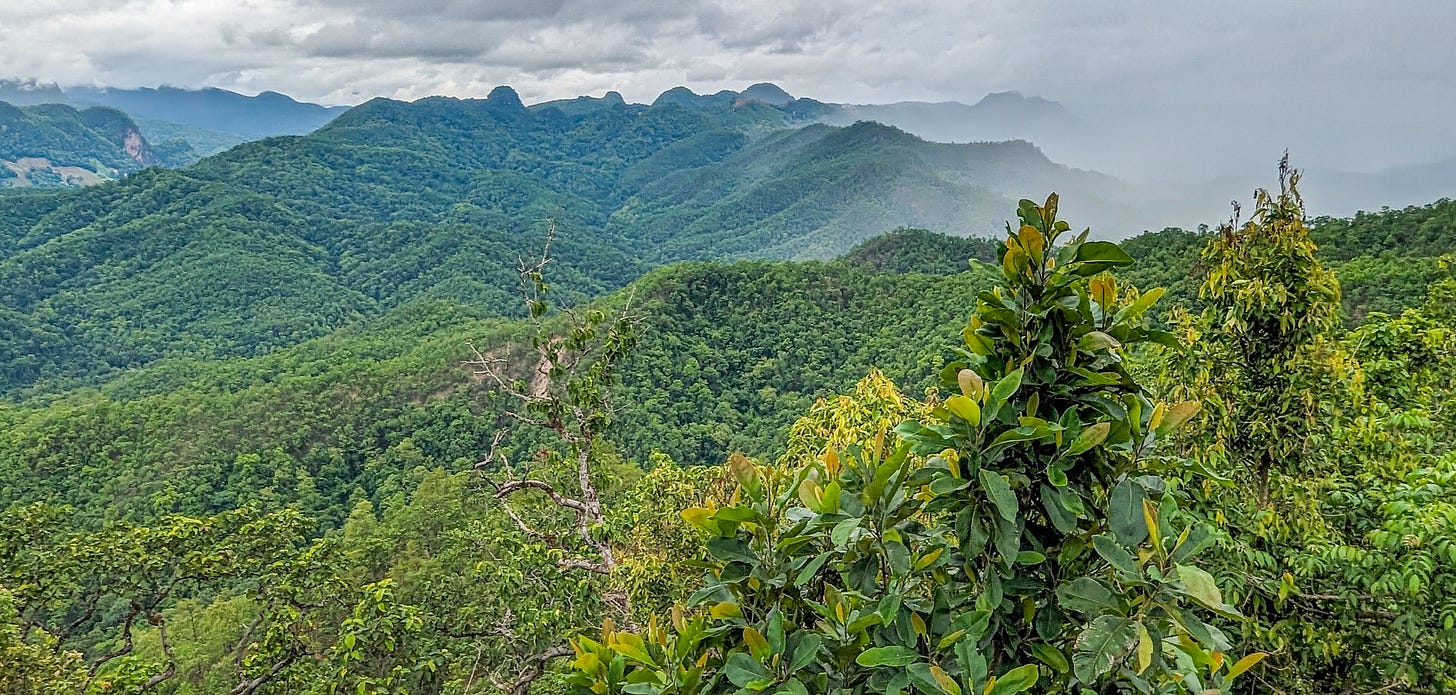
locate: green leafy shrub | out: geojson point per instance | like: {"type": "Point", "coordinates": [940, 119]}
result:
{"type": "Point", "coordinates": [1016, 534]}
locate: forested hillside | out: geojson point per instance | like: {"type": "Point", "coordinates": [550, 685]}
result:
{"type": "Point", "coordinates": [348, 495]}
{"type": "Point", "coordinates": [728, 356]}
{"type": "Point", "coordinates": [461, 396]}
{"type": "Point", "coordinates": [52, 145]}
{"type": "Point", "coordinates": [286, 239]}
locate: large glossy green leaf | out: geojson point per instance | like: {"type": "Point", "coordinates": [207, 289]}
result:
{"type": "Point", "coordinates": [743, 670]}
{"type": "Point", "coordinates": [843, 530]}
{"type": "Point", "coordinates": [1085, 595]}
{"type": "Point", "coordinates": [1063, 520]}
{"type": "Point", "coordinates": [1125, 513]}
{"type": "Point", "coordinates": [1005, 388]}
{"type": "Point", "coordinates": [1115, 554]}
{"type": "Point", "coordinates": [999, 491]}
{"type": "Point", "coordinates": [810, 569]}
{"type": "Point", "coordinates": [731, 550]}
{"type": "Point", "coordinates": [894, 656]}
{"type": "Point", "coordinates": [1200, 586]}
{"type": "Point", "coordinates": [1103, 252]}
{"type": "Point", "coordinates": [1051, 656]}
{"type": "Point", "coordinates": [806, 651]}
{"type": "Point", "coordinates": [1101, 646]}
{"type": "Point", "coordinates": [1017, 680]}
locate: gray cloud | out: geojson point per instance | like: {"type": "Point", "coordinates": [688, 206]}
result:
{"type": "Point", "coordinates": [1346, 83]}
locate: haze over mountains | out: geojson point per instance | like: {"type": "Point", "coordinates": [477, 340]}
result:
{"type": "Point", "coordinates": [1168, 176]}
{"type": "Point", "coordinates": [395, 202]}
{"type": "Point", "coordinates": [248, 117]}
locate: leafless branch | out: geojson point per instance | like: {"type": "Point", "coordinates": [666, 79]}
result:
{"type": "Point", "coordinates": [544, 394]}
{"type": "Point", "coordinates": [65, 634]}
{"type": "Point", "coordinates": [494, 454]}
{"type": "Point", "coordinates": [249, 687]}
{"type": "Point", "coordinates": [535, 666]}
{"type": "Point", "coordinates": [508, 487]}
{"type": "Point", "coordinates": [125, 648]}
{"type": "Point", "coordinates": [240, 651]}
{"type": "Point", "coordinates": [574, 564]}
{"type": "Point", "coordinates": [171, 669]}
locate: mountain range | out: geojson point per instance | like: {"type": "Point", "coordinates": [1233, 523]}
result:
{"type": "Point", "coordinates": [179, 125]}
{"type": "Point", "coordinates": [278, 241]}
{"type": "Point", "coordinates": [211, 109]}
{"type": "Point", "coordinates": [287, 238]}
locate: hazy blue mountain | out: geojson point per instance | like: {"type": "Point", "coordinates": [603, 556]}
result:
{"type": "Point", "coordinates": [996, 117]}
{"type": "Point", "coordinates": [184, 125]}
{"type": "Point", "coordinates": [999, 116]}
{"type": "Point", "coordinates": [765, 93]}
{"type": "Point", "coordinates": [264, 115]}
{"type": "Point", "coordinates": [212, 109]}
{"type": "Point", "coordinates": [30, 93]}
{"type": "Point", "coordinates": [815, 192]}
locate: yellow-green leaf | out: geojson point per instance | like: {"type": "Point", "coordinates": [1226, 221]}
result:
{"type": "Point", "coordinates": [1150, 517]}
{"type": "Point", "coordinates": [1200, 586]}
{"type": "Point", "coordinates": [1089, 437]}
{"type": "Point", "coordinates": [1144, 649]}
{"type": "Point", "coordinates": [965, 408]}
{"type": "Point", "coordinates": [944, 680]}
{"type": "Point", "coordinates": [1176, 416]}
{"type": "Point", "coordinates": [701, 518]}
{"type": "Point", "coordinates": [1244, 664]}
{"type": "Point", "coordinates": [1017, 680]}
{"type": "Point", "coordinates": [726, 609]}
{"type": "Point", "coordinates": [757, 644]}
{"type": "Point", "coordinates": [811, 495]}
{"type": "Point", "coordinates": [1031, 238]}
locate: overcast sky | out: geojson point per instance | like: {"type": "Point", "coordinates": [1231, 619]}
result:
{"type": "Point", "coordinates": [1381, 66]}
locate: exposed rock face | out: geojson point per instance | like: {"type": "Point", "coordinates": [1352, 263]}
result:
{"type": "Point", "coordinates": [137, 148]}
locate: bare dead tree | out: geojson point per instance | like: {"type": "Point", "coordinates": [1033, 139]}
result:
{"type": "Point", "coordinates": [562, 385]}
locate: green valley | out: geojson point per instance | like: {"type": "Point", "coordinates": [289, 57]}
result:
{"type": "Point", "coordinates": [281, 240]}
{"type": "Point", "coordinates": [697, 397]}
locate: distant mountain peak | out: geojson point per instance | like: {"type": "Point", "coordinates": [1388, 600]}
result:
{"type": "Point", "coordinates": [683, 96]}
{"type": "Point", "coordinates": [765, 93]}
{"type": "Point", "coordinates": [676, 95]}
{"type": "Point", "coordinates": [1016, 102]}
{"type": "Point", "coordinates": [506, 97]}
{"type": "Point", "coordinates": [23, 92]}
{"type": "Point", "coordinates": [1008, 95]}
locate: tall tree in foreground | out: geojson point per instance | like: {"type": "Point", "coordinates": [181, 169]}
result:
{"type": "Point", "coordinates": [1016, 536]}
{"type": "Point", "coordinates": [1270, 301]}
{"type": "Point", "coordinates": [1338, 502]}
{"type": "Point", "coordinates": [582, 559]}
